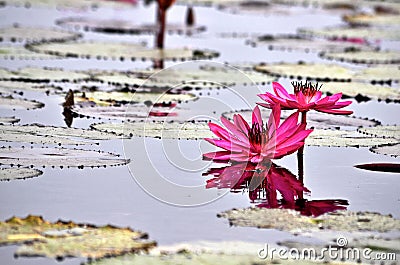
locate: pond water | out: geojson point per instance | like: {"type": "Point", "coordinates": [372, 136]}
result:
{"type": "Point", "coordinates": [112, 196]}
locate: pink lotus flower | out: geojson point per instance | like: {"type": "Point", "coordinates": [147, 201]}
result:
{"type": "Point", "coordinates": [256, 142]}
{"type": "Point", "coordinates": [306, 97]}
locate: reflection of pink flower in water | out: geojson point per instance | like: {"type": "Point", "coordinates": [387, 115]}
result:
{"type": "Point", "coordinates": [257, 142]}
{"type": "Point", "coordinates": [306, 97]}
{"type": "Point", "coordinates": [267, 176]}
{"type": "Point", "coordinates": [264, 181]}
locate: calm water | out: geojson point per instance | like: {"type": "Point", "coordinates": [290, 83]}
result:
{"type": "Point", "coordinates": [111, 195]}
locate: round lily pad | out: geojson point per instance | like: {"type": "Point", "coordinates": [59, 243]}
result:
{"type": "Point", "coordinates": [18, 173]}
{"type": "Point", "coordinates": [124, 26]}
{"type": "Point", "coordinates": [117, 97]}
{"type": "Point", "coordinates": [295, 42]}
{"type": "Point", "coordinates": [7, 74]}
{"type": "Point", "coordinates": [384, 131]}
{"type": "Point", "coordinates": [326, 4]}
{"type": "Point", "coordinates": [388, 149]}
{"type": "Point", "coordinates": [120, 51]}
{"type": "Point", "coordinates": [41, 134]}
{"type": "Point", "coordinates": [301, 70]}
{"type": "Point", "coordinates": [20, 53]}
{"type": "Point", "coordinates": [22, 34]}
{"type": "Point", "coordinates": [63, 239]}
{"type": "Point", "coordinates": [353, 32]}
{"type": "Point", "coordinates": [314, 119]}
{"type": "Point", "coordinates": [289, 220]}
{"type": "Point", "coordinates": [165, 130]}
{"type": "Point", "coordinates": [206, 76]}
{"type": "Point", "coordinates": [10, 102]}
{"type": "Point", "coordinates": [379, 74]}
{"type": "Point", "coordinates": [37, 74]}
{"type": "Point", "coordinates": [8, 87]}
{"type": "Point", "coordinates": [59, 157]}
{"type": "Point", "coordinates": [364, 57]}
{"type": "Point", "coordinates": [362, 91]}
{"type": "Point", "coordinates": [341, 138]}
{"type": "Point", "coordinates": [372, 19]}
{"type": "Point", "coordinates": [67, 4]}
{"type": "Point", "coordinates": [9, 120]}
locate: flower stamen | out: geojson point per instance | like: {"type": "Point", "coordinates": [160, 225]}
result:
{"type": "Point", "coordinates": [308, 89]}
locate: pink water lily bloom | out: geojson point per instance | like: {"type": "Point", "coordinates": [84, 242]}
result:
{"type": "Point", "coordinates": [306, 97]}
{"type": "Point", "coordinates": [255, 142]}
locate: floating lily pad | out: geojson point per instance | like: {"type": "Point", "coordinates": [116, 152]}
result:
{"type": "Point", "coordinates": [18, 173]}
{"type": "Point", "coordinates": [9, 87]}
{"type": "Point", "coordinates": [51, 135]}
{"type": "Point", "coordinates": [204, 77]}
{"type": "Point", "coordinates": [372, 19]}
{"type": "Point", "coordinates": [379, 74]}
{"type": "Point", "coordinates": [259, 7]}
{"type": "Point", "coordinates": [301, 70]}
{"type": "Point", "coordinates": [124, 26]}
{"type": "Point", "coordinates": [388, 131]}
{"type": "Point", "coordinates": [19, 103]}
{"type": "Point", "coordinates": [59, 157]}
{"type": "Point", "coordinates": [341, 138]}
{"type": "Point", "coordinates": [9, 120]}
{"type": "Point", "coordinates": [389, 149]}
{"type": "Point", "coordinates": [380, 167]}
{"type": "Point", "coordinates": [135, 112]}
{"type": "Point", "coordinates": [120, 51]}
{"type": "Point", "coordinates": [362, 91]}
{"type": "Point", "coordinates": [37, 74]}
{"type": "Point", "coordinates": [295, 42]}
{"type": "Point", "coordinates": [166, 130]}
{"type": "Point", "coordinates": [20, 53]}
{"type": "Point", "coordinates": [7, 74]}
{"type": "Point", "coordinates": [326, 4]}
{"type": "Point", "coordinates": [314, 119]}
{"type": "Point", "coordinates": [353, 32]}
{"type": "Point", "coordinates": [68, 239]}
{"type": "Point", "coordinates": [20, 34]}
{"type": "Point", "coordinates": [364, 57]}
{"type": "Point", "coordinates": [66, 4]}
{"type": "Point", "coordinates": [116, 97]}
{"type": "Point", "coordinates": [292, 221]}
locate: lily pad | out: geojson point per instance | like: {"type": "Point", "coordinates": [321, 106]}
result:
{"type": "Point", "coordinates": [326, 4]}
{"type": "Point", "coordinates": [120, 51]}
{"type": "Point", "coordinates": [364, 57]}
{"type": "Point", "coordinates": [165, 130]}
{"type": "Point", "coordinates": [18, 173]}
{"type": "Point", "coordinates": [51, 135]}
{"type": "Point", "coordinates": [9, 87]}
{"type": "Point", "coordinates": [341, 138]}
{"type": "Point", "coordinates": [314, 119]}
{"type": "Point", "coordinates": [19, 103]}
{"type": "Point", "coordinates": [295, 42]}
{"type": "Point", "coordinates": [37, 74]}
{"type": "Point", "coordinates": [379, 74]}
{"type": "Point", "coordinates": [62, 239]}
{"type": "Point", "coordinates": [66, 4]}
{"type": "Point", "coordinates": [123, 26]}
{"type": "Point", "coordinates": [389, 149]}
{"type": "Point", "coordinates": [301, 70]}
{"type": "Point", "coordinates": [205, 76]}
{"type": "Point", "coordinates": [59, 157]}
{"type": "Point", "coordinates": [372, 19]}
{"type": "Point", "coordinates": [117, 97]}
{"type": "Point", "coordinates": [22, 34]}
{"type": "Point", "coordinates": [20, 53]}
{"type": "Point", "coordinates": [353, 32]}
{"type": "Point", "coordinates": [292, 221]}
{"type": "Point", "coordinates": [388, 131]}
{"type": "Point", "coordinates": [362, 91]}
{"type": "Point", "coordinates": [9, 120]}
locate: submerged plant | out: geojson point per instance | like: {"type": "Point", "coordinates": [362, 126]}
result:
{"type": "Point", "coordinates": [257, 142]}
